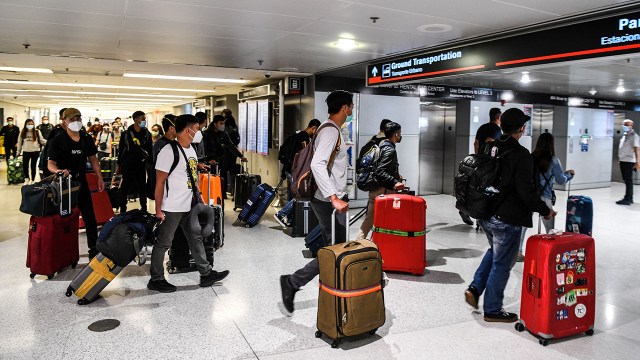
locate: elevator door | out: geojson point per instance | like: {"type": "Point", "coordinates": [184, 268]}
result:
{"type": "Point", "coordinates": [437, 147]}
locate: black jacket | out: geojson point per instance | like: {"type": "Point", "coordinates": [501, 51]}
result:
{"type": "Point", "coordinates": [519, 195]}
{"type": "Point", "coordinates": [11, 135]}
{"type": "Point", "coordinates": [133, 154]}
{"type": "Point", "coordinates": [387, 172]}
{"type": "Point", "coordinates": [219, 147]}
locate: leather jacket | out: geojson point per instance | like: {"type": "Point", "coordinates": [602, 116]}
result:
{"type": "Point", "coordinates": [387, 172]}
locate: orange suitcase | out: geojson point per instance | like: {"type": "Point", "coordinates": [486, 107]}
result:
{"type": "Point", "coordinates": [211, 189]}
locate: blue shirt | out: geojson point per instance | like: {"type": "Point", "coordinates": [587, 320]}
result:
{"type": "Point", "coordinates": [554, 174]}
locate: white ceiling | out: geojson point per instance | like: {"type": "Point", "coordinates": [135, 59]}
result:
{"type": "Point", "coordinates": [223, 38]}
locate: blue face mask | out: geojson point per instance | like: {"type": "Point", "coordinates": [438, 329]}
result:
{"type": "Point", "coordinates": [625, 128]}
{"type": "Point", "coordinates": [143, 123]}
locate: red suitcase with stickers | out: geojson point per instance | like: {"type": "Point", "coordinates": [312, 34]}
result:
{"type": "Point", "coordinates": [399, 223]}
{"type": "Point", "coordinates": [558, 286]}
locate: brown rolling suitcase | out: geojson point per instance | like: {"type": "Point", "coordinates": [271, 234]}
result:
{"type": "Point", "coordinates": [351, 299]}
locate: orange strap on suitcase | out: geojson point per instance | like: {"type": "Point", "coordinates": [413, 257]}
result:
{"type": "Point", "coordinates": [350, 293]}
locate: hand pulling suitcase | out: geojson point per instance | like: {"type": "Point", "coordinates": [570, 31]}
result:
{"type": "Point", "coordinates": [102, 206]}
{"type": "Point", "coordinates": [93, 279]}
{"type": "Point", "coordinates": [558, 286]}
{"type": "Point", "coordinates": [53, 239]}
{"type": "Point", "coordinates": [351, 298]}
{"type": "Point", "coordinates": [15, 175]}
{"type": "Point", "coordinates": [211, 188]}
{"type": "Point", "coordinates": [304, 219]}
{"type": "Point", "coordinates": [246, 184]}
{"type": "Point", "coordinates": [257, 205]}
{"type": "Point", "coordinates": [399, 230]}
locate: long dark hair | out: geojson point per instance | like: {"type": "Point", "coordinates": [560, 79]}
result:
{"type": "Point", "coordinates": [23, 133]}
{"type": "Point", "coordinates": [544, 152]}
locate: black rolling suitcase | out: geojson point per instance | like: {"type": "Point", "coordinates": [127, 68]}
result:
{"type": "Point", "coordinates": [304, 218]}
{"type": "Point", "coordinates": [246, 184]}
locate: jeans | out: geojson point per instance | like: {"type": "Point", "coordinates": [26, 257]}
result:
{"type": "Point", "coordinates": [324, 212]}
{"type": "Point", "coordinates": [30, 158]}
{"type": "Point", "coordinates": [136, 178]}
{"type": "Point", "coordinates": [493, 273]}
{"type": "Point", "coordinates": [287, 209]}
{"type": "Point", "coordinates": [367, 223]}
{"type": "Point", "coordinates": [166, 233]}
{"type": "Point", "coordinates": [626, 168]}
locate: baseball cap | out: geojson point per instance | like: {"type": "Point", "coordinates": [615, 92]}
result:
{"type": "Point", "coordinates": [513, 119]}
{"type": "Point", "coordinates": [70, 113]}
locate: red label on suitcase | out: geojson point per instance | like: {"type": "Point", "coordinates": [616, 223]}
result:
{"type": "Point", "coordinates": [559, 285]}
{"type": "Point", "coordinates": [399, 223]}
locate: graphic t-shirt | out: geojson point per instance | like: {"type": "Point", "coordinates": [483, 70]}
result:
{"type": "Point", "coordinates": [178, 197]}
{"type": "Point", "coordinates": [71, 155]}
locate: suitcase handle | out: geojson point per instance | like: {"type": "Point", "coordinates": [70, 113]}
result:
{"type": "Point", "coordinates": [534, 285]}
{"type": "Point", "coordinates": [333, 225]}
{"type": "Point", "coordinates": [60, 175]}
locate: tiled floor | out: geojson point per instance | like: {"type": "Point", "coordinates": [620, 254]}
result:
{"type": "Point", "coordinates": [427, 317]}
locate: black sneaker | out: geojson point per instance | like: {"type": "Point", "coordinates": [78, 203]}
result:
{"type": "Point", "coordinates": [213, 278]}
{"type": "Point", "coordinates": [624, 202]}
{"type": "Point", "coordinates": [502, 316]}
{"type": "Point", "coordinates": [280, 219]}
{"type": "Point", "coordinates": [162, 286]}
{"type": "Point", "coordinates": [92, 254]}
{"type": "Point", "coordinates": [288, 293]}
{"type": "Point", "coordinates": [467, 220]}
{"type": "Point", "coordinates": [471, 296]}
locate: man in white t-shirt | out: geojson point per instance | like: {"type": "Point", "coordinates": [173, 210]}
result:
{"type": "Point", "coordinates": [173, 196]}
{"type": "Point", "coordinates": [629, 157]}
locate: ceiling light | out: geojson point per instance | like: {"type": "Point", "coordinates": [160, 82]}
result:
{"type": "Point", "coordinates": [525, 77]}
{"type": "Point", "coordinates": [620, 89]}
{"type": "Point", "coordinates": [346, 44]}
{"type": "Point", "coordinates": [434, 28]}
{"type": "Point", "coordinates": [31, 70]}
{"type": "Point", "coordinates": [187, 78]}
{"type": "Point", "coordinates": [593, 92]}
{"type": "Point", "coordinates": [573, 101]}
{"type": "Point", "coordinates": [507, 96]}
{"type": "Point", "coordinates": [102, 86]}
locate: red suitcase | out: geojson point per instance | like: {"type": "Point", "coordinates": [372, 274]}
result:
{"type": "Point", "coordinates": [399, 229]}
{"type": "Point", "coordinates": [53, 241]}
{"type": "Point", "coordinates": [558, 286]}
{"type": "Point", "coordinates": [101, 202]}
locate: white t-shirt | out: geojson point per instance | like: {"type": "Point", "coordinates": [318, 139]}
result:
{"type": "Point", "coordinates": [626, 151]}
{"type": "Point", "coordinates": [178, 197]}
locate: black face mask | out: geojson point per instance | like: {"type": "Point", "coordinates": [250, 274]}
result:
{"type": "Point", "coordinates": [399, 139]}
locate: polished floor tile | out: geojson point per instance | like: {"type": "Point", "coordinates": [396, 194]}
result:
{"type": "Point", "coordinates": [242, 317]}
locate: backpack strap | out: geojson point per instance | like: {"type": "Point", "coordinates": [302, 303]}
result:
{"type": "Point", "coordinates": [336, 149]}
{"type": "Point", "coordinates": [194, 186]}
{"type": "Point", "coordinates": [176, 159]}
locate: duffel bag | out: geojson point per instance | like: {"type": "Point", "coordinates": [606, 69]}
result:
{"type": "Point", "coordinates": [43, 198]}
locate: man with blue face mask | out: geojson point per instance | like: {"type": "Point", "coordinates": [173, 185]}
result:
{"type": "Point", "coordinates": [135, 150]}
{"type": "Point", "coordinates": [629, 160]}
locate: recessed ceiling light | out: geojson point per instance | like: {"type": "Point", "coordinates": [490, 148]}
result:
{"type": "Point", "coordinates": [289, 69]}
{"type": "Point", "coordinates": [186, 78]}
{"type": "Point", "coordinates": [434, 28]}
{"type": "Point", "coordinates": [346, 44]}
{"type": "Point", "coordinates": [525, 77]}
{"type": "Point", "coordinates": [620, 89]}
{"type": "Point", "coordinates": [593, 92]}
{"type": "Point", "coordinates": [29, 70]}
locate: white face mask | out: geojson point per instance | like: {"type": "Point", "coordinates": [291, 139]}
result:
{"type": "Point", "coordinates": [75, 126]}
{"type": "Point", "coordinates": [29, 127]}
{"type": "Point", "coordinates": [220, 127]}
{"type": "Point", "coordinates": [45, 122]}
{"type": "Point", "coordinates": [197, 136]}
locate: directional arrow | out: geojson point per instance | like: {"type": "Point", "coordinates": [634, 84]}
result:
{"type": "Point", "coordinates": [374, 72]}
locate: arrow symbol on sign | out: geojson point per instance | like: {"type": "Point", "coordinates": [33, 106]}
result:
{"type": "Point", "coordinates": [374, 72]}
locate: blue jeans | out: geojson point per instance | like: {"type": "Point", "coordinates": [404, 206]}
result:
{"type": "Point", "coordinates": [493, 273]}
{"type": "Point", "coordinates": [287, 209]}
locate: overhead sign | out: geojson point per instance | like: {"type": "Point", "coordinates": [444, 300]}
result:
{"type": "Point", "coordinates": [260, 91]}
{"type": "Point", "coordinates": [613, 35]}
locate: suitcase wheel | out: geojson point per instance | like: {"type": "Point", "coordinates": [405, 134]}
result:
{"type": "Point", "coordinates": [73, 266]}
{"type": "Point", "coordinates": [543, 342]}
{"type": "Point", "coordinates": [49, 277]}
{"type": "Point", "coordinates": [519, 327]}
{"type": "Point", "coordinates": [335, 343]}
{"type": "Point", "coordinates": [373, 332]}
{"type": "Point", "coordinates": [32, 275]}
{"type": "Point", "coordinates": [589, 332]}
{"type": "Point", "coordinates": [69, 292]}
{"type": "Point", "coordinates": [83, 301]}
{"type": "Point", "coordinates": [318, 334]}
{"type": "Point", "coordinates": [247, 226]}
{"type": "Point", "coordinates": [171, 269]}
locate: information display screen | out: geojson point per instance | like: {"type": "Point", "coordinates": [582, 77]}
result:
{"type": "Point", "coordinates": [242, 126]}
{"type": "Point", "coordinates": [263, 127]}
{"type": "Point", "coordinates": [252, 128]}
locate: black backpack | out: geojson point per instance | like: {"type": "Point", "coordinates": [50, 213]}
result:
{"type": "Point", "coordinates": [285, 155]}
{"type": "Point", "coordinates": [367, 165]}
{"type": "Point", "coordinates": [475, 184]}
{"type": "Point", "coordinates": [151, 171]}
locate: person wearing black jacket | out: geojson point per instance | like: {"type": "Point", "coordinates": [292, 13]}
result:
{"type": "Point", "coordinates": [518, 199]}
{"type": "Point", "coordinates": [11, 133]}
{"type": "Point", "coordinates": [45, 127]}
{"type": "Point", "coordinates": [218, 147]}
{"type": "Point", "coordinates": [375, 140]}
{"type": "Point", "coordinates": [387, 174]}
{"type": "Point", "coordinates": [135, 150]}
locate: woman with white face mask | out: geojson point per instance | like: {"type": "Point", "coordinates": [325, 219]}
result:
{"type": "Point", "coordinates": [30, 144]}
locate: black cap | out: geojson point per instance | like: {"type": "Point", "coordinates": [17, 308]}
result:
{"type": "Point", "coordinates": [513, 119]}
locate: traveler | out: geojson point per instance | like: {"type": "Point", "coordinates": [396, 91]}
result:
{"type": "Point", "coordinates": [45, 127]}
{"type": "Point", "coordinates": [629, 160]}
{"type": "Point", "coordinates": [548, 169]}
{"type": "Point", "coordinates": [332, 189]}
{"type": "Point", "coordinates": [61, 128]}
{"type": "Point", "coordinates": [486, 133]}
{"type": "Point", "coordinates": [169, 134]}
{"type": "Point", "coordinates": [134, 153]}
{"type": "Point", "coordinates": [69, 153]}
{"type": "Point", "coordinates": [173, 206]}
{"type": "Point", "coordinates": [231, 127]}
{"type": "Point", "coordinates": [95, 129]}
{"type": "Point", "coordinates": [386, 174]}
{"type": "Point", "coordinates": [375, 140]}
{"type": "Point", "coordinates": [104, 142]}
{"type": "Point", "coordinates": [197, 142]}
{"type": "Point", "coordinates": [30, 144]}
{"type": "Point", "coordinates": [156, 132]}
{"type": "Point", "coordinates": [11, 133]}
{"type": "Point", "coordinates": [219, 148]}
{"type": "Point", "coordinates": [517, 199]}
{"type": "Point", "coordinates": [116, 129]}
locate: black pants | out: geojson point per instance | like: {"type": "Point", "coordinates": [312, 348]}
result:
{"type": "Point", "coordinates": [133, 179]}
{"type": "Point", "coordinates": [85, 204]}
{"type": "Point", "coordinates": [30, 157]}
{"type": "Point", "coordinates": [626, 168]}
{"type": "Point", "coordinates": [9, 150]}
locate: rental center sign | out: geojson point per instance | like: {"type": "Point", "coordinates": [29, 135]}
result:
{"type": "Point", "coordinates": [613, 35]}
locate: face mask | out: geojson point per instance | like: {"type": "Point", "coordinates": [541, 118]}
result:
{"type": "Point", "coordinates": [30, 127]}
{"type": "Point", "coordinates": [105, 130]}
{"type": "Point", "coordinates": [198, 137]}
{"type": "Point", "coordinates": [220, 127]}
{"type": "Point", "coordinates": [75, 126]}
{"type": "Point", "coordinates": [399, 139]}
{"type": "Point", "coordinates": [625, 128]}
{"type": "Point", "coordinates": [154, 133]}
{"type": "Point", "coordinates": [10, 123]}
{"type": "Point", "coordinates": [143, 124]}
{"type": "Point", "coordinates": [45, 122]}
